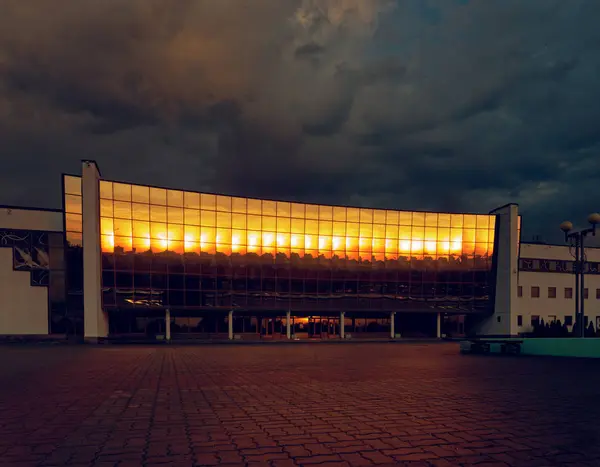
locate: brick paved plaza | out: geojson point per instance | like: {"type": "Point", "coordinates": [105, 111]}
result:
{"type": "Point", "coordinates": [285, 405]}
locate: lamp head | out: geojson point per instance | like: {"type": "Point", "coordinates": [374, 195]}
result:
{"type": "Point", "coordinates": [594, 218]}
{"type": "Point", "coordinates": [566, 226]}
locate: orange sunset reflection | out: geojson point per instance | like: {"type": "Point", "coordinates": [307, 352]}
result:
{"type": "Point", "coordinates": [139, 218]}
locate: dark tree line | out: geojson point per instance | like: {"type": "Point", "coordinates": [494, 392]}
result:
{"type": "Point", "coordinates": [558, 329]}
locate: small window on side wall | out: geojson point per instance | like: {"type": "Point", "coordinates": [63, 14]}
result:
{"type": "Point", "coordinates": [568, 292]}
{"type": "Point", "coordinates": [535, 291]}
{"type": "Point", "coordinates": [551, 292]}
{"type": "Point", "coordinates": [520, 320]}
{"type": "Point", "coordinates": [535, 320]}
{"type": "Point", "coordinates": [520, 291]}
{"type": "Point", "coordinates": [586, 293]}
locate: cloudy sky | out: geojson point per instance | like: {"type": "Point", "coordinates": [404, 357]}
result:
{"type": "Point", "coordinates": [410, 104]}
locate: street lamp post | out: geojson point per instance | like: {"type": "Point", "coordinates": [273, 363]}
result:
{"type": "Point", "coordinates": [576, 238]}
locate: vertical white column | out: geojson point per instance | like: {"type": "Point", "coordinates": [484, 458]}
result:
{"type": "Point", "coordinates": [230, 325]}
{"type": "Point", "coordinates": [95, 320]}
{"type": "Point", "coordinates": [504, 319]}
{"type": "Point", "coordinates": [392, 325]}
{"type": "Point", "coordinates": [168, 325]}
{"type": "Point", "coordinates": [342, 327]}
{"type": "Point", "coordinates": [288, 324]}
{"type": "Point", "coordinates": [438, 333]}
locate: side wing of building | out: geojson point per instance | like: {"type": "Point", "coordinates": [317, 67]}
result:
{"type": "Point", "coordinates": [32, 271]}
{"type": "Point", "coordinates": [546, 286]}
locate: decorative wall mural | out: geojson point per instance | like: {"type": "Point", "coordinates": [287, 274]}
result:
{"type": "Point", "coordinates": [30, 253]}
{"type": "Point", "coordinates": [550, 265]}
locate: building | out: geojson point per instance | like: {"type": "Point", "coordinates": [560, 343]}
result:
{"type": "Point", "coordinates": [546, 286]}
{"type": "Point", "coordinates": [32, 269]}
{"type": "Point", "coordinates": [124, 259]}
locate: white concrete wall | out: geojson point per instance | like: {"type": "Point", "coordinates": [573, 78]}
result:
{"type": "Point", "coordinates": [560, 252]}
{"type": "Point", "coordinates": [23, 308]}
{"type": "Point", "coordinates": [95, 318]}
{"type": "Point", "coordinates": [503, 321]}
{"type": "Point", "coordinates": [31, 219]}
{"type": "Point", "coordinates": [558, 307]}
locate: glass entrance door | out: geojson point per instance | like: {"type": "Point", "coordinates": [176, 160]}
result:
{"type": "Point", "coordinates": [267, 327]}
{"type": "Point", "coordinates": [314, 327]}
{"type": "Point", "coordinates": [320, 327]}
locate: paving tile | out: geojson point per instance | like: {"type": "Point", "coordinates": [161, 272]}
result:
{"type": "Point", "coordinates": [316, 459]}
{"type": "Point", "coordinates": [283, 463]}
{"type": "Point", "coordinates": [351, 405]}
{"type": "Point", "coordinates": [297, 451]}
{"type": "Point", "coordinates": [418, 456]}
{"type": "Point", "coordinates": [377, 458]}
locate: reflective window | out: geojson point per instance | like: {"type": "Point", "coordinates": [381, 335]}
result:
{"type": "Point", "coordinates": [183, 249]}
{"type": "Point", "coordinates": [73, 210]}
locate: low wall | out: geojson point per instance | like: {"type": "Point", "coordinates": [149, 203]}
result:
{"type": "Point", "coordinates": [562, 347]}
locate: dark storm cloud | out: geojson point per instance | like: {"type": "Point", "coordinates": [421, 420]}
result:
{"type": "Point", "coordinates": [407, 104]}
{"type": "Point", "coordinates": [308, 50]}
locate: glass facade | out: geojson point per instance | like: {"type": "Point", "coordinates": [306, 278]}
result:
{"type": "Point", "coordinates": [188, 250]}
{"type": "Point", "coordinates": [73, 209]}
{"type": "Point", "coordinates": [72, 205]}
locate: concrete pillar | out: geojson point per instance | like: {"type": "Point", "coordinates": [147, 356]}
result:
{"type": "Point", "coordinates": [230, 325]}
{"type": "Point", "coordinates": [392, 324]}
{"type": "Point", "coordinates": [438, 333]}
{"type": "Point", "coordinates": [168, 325]}
{"type": "Point", "coordinates": [288, 324]}
{"type": "Point", "coordinates": [503, 322]}
{"type": "Point", "coordinates": [95, 319]}
{"type": "Point", "coordinates": [342, 327]}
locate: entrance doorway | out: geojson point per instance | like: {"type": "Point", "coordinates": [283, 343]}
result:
{"type": "Point", "coordinates": [321, 327]}
{"type": "Point", "coordinates": [272, 327]}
